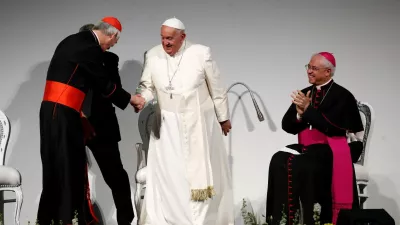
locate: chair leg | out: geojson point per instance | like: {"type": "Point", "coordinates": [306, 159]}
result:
{"type": "Point", "coordinates": [301, 219]}
{"type": "Point", "coordinates": [362, 190]}
{"type": "Point", "coordinates": [138, 198]}
{"type": "Point", "coordinates": [18, 200]}
{"type": "Point", "coordinates": [362, 203]}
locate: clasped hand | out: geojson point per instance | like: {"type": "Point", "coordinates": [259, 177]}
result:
{"type": "Point", "coordinates": [301, 101]}
{"type": "Point", "coordinates": [137, 101]}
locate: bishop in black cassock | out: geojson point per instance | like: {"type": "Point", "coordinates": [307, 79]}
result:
{"type": "Point", "coordinates": [320, 169]}
{"type": "Point", "coordinates": [76, 66]}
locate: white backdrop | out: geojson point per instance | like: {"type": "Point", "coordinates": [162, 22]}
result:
{"type": "Point", "coordinates": [264, 43]}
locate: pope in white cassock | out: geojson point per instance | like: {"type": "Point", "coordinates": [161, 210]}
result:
{"type": "Point", "coordinates": [188, 178]}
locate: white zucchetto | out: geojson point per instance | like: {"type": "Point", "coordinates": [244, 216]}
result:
{"type": "Point", "coordinates": [174, 23]}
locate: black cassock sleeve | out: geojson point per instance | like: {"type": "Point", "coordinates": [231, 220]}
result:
{"type": "Point", "coordinates": [290, 123]}
{"type": "Point", "coordinates": [91, 60]}
{"type": "Point", "coordinates": [111, 61]}
{"type": "Point", "coordinates": [339, 116]}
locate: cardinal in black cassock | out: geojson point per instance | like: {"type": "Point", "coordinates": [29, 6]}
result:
{"type": "Point", "coordinates": [319, 168]}
{"type": "Point", "coordinates": [76, 66]}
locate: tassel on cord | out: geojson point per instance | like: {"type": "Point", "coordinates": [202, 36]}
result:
{"type": "Point", "coordinates": [202, 194]}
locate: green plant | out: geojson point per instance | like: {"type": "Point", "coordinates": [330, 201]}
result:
{"type": "Point", "coordinates": [251, 219]}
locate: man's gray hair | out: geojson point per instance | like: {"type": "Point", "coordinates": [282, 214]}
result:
{"type": "Point", "coordinates": [180, 30]}
{"type": "Point", "coordinates": [327, 64]}
{"type": "Point", "coordinates": [106, 28]}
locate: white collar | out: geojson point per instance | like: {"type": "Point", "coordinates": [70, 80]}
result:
{"type": "Point", "coordinates": [97, 37]}
{"type": "Point", "coordinates": [319, 86]}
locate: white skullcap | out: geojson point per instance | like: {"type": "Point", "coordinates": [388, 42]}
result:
{"type": "Point", "coordinates": [174, 23]}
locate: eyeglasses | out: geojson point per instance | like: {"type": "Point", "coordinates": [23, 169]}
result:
{"type": "Point", "coordinates": [313, 68]}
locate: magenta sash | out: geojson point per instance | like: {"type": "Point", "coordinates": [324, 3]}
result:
{"type": "Point", "coordinates": [342, 171]}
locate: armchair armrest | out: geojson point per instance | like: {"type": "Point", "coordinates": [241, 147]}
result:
{"type": "Point", "coordinates": [141, 156]}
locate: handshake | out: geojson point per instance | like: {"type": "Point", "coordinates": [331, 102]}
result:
{"type": "Point", "coordinates": [137, 101]}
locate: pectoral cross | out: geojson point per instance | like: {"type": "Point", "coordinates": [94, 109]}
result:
{"type": "Point", "coordinates": [170, 88]}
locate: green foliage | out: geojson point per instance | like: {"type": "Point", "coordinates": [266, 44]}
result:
{"type": "Point", "coordinates": [251, 219]}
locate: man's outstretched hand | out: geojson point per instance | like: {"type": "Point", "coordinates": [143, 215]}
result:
{"type": "Point", "coordinates": [137, 101]}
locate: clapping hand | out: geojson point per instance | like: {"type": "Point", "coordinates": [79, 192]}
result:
{"type": "Point", "coordinates": [137, 101]}
{"type": "Point", "coordinates": [301, 101]}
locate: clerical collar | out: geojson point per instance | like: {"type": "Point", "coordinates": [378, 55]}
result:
{"type": "Point", "coordinates": [95, 37]}
{"type": "Point", "coordinates": [320, 86]}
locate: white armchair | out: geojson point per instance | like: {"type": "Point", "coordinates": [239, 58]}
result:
{"type": "Point", "coordinates": [145, 126]}
{"type": "Point", "coordinates": [362, 175]}
{"type": "Point", "coordinates": [10, 178]}
{"type": "Point", "coordinates": [140, 178]}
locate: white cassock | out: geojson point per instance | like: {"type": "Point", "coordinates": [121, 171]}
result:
{"type": "Point", "coordinates": [188, 179]}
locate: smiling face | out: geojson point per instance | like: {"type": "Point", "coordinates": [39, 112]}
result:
{"type": "Point", "coordinates": [171, 39]}
{"type": "Point", "coordinates": [317, 70]}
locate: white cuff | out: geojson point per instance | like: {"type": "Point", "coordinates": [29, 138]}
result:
{"type": "Point", "coordinates": [289, 150]}
{"type": "Point", "coordinates": [147, 95]}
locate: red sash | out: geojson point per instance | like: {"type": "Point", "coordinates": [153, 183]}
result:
{"type": "Point", "coordinates": [64, 94]}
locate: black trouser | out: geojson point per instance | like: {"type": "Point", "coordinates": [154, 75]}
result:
{"type": "Point", "coordinates": [108, 158]}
